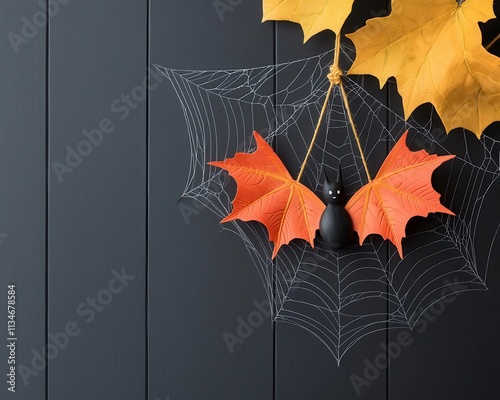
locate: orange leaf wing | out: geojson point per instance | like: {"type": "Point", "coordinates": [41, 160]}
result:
{"type": "Point", "coordinates": [268, 194]}
{"type": "Point", "coordinates": [401, 190]}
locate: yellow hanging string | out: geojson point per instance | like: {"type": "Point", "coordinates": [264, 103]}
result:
{"type": "Point", "coordinates": [335, 78]}
{"type": "Point", "coordinates": [354, 130]}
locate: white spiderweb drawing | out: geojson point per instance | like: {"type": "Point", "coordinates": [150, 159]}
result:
{"type": "Point", "coordinates": [340, 297]}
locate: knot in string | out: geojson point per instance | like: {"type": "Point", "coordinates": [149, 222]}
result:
{"type": "Point", "coordinates": [335, 75]}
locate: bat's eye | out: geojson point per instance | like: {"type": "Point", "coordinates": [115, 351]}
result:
{"type": "Point", "coordinates": [330, 192]}
{"type": "Point", "coordinates": [338, 191]}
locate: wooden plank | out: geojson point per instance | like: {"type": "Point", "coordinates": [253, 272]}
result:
{"type": "Point", "coordinates": [22, 203]}
{"type": "Point", "coordinates": [305, 367]}
{"type": "Point", "coordinates": [202, 280]}
{"type": "Point", "coordinates": [97, 126]}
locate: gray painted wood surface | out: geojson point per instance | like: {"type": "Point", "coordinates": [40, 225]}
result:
{"type": "Point", "coordinates": [97, 213]}
{"type": "Point", "coordinates": [199, 274]}
{"type": "Point", "coordinates": [23, 177]}
{"type": "Point", "coordinates": [131, 298]}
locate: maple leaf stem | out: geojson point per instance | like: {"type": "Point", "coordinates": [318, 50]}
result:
{"type": "Point", "coordinates": [354, 130]}
{"type": "Point", "coordinates": [336, 53]}
{"type": "Point", "coordinates": [493, 42]}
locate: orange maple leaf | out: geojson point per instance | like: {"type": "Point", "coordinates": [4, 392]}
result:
{"type": "Point", "coordinates": [401, 190]}
{"type": "Point", "coordinates": [268, 194]}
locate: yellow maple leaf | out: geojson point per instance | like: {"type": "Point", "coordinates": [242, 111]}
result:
{"type": "Point", "coordinates": [433, 49]}
{"type": "Point", "coordinates": [313, 15]}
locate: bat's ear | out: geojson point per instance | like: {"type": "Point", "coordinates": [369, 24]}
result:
{"type": "Point", "coordinates": [339, 173]}
{"type": "Point", "coordinates": [325, 175]}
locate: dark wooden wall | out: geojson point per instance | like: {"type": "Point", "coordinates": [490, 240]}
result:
{"type": "Point", "coordinates": [103, 260]}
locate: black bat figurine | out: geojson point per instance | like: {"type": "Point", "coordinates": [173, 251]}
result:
{"type": "Point", "coordinates": [335, 225]}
